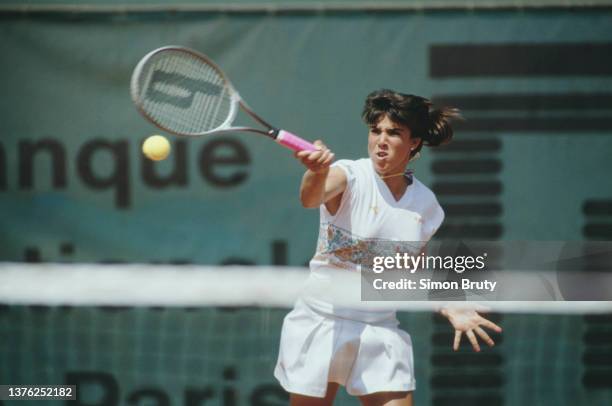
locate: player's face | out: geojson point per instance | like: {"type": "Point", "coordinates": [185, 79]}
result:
{"type": "Point", "coordinates": [389, 146]}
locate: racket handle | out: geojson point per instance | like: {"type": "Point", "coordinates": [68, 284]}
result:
{"type": "Point", "coordinates": [294, 142]}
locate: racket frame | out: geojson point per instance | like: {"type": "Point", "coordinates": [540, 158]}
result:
{"type": "Point", "coordinates": [236, 100]}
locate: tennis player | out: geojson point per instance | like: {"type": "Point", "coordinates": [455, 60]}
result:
{"type": "Point", "coordinates": [364, 201]}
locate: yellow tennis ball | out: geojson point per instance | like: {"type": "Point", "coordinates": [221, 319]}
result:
{"type": "Point", "coordinates": [156, 147]}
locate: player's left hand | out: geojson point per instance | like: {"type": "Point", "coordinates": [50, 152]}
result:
{"type": "Point", "coordinates": [468, 321]}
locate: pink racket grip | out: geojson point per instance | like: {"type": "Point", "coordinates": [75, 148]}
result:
{"type": "Point", "coordinates": [294, 142]}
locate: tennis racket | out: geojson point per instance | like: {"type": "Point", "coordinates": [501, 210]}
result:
{"type": "Point", "coordinates": [184, 93]}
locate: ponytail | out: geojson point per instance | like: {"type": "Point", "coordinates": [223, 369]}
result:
{"type": "Point", "coordinates": [439, 130]}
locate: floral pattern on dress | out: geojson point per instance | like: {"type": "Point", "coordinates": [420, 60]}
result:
{"type": "Point", "coordinates": [345, 249]}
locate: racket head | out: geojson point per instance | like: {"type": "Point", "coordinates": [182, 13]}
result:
{"type": "Point", "coordinates": [183, 92]}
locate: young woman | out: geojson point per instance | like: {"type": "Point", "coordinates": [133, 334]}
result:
{"type": "Point", "coordinates": [363, 202]}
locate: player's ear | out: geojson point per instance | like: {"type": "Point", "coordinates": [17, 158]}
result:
{"type": "Point", "coordinates": [415, 148]}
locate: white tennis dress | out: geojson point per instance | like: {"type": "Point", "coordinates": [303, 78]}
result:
{"type": "Point", "coordinates": [363, 350]}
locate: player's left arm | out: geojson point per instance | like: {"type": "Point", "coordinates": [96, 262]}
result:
{"type": "Point", "coordinates": [468, 321]}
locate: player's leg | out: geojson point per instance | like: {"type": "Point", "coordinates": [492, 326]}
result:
{"type": "Point", "coordinates": [387, 399]}
{"type": "Point", "coordinates": [328, 400]}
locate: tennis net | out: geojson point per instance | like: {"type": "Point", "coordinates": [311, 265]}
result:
{"type": "Point", "coordinates": [188, 335]}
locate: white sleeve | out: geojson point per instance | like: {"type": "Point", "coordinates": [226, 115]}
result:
{"type": "Point", "coordinates": [349, 168]}
{"type": "Point", "coordinates": [433, 218]}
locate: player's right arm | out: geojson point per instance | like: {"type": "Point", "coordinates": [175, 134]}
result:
{"type": "Point", "coordinates": [321, 184]}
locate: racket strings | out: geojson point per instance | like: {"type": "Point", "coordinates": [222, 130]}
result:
{"type": "Point", "coordinates": [184, 93]}
{"type": "Point", "coordinates": [215, 113]}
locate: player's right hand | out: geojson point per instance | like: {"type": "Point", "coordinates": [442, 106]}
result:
{"type": "Point", "coordinates": [317, 161]}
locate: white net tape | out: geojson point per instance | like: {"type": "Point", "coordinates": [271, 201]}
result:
{"type": "Point", "coordinates": [168, 285]}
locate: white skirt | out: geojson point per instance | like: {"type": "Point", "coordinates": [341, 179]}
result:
{"type": "Point", "coordinates": [364, 357]}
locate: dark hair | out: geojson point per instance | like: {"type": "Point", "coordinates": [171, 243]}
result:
{"type": "Point", "coordinates": [415, 112]}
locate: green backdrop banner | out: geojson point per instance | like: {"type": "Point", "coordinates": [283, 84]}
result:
{"type": "Point", "coordinates": [530, 162]}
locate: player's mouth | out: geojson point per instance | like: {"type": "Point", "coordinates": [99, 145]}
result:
{"type": "Point", "coordinates": [381, 155]}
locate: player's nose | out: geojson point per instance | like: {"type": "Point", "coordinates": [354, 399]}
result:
{"type": "Point", "coordinates": [382, 141]}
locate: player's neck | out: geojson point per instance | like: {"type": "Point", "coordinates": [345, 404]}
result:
{"type": "Point", "coordinates": [397, 186]}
